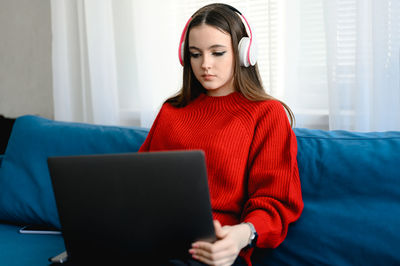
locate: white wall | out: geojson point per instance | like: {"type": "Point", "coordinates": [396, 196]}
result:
{"type": "Point", "coordinates": [25, 58]}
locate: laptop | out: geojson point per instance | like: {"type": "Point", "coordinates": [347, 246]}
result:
{"type": "Point", "coordinates": [125, 208]}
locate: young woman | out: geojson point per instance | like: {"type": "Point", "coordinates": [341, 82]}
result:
{"type": "Point", "coordinates": [248, 141]}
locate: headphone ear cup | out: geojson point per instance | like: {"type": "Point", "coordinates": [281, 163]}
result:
{"type": "Point", "coordinates": [243, 48]}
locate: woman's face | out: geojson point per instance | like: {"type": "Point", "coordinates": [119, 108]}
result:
{"type": "Point", "coordinates": [212, 59]}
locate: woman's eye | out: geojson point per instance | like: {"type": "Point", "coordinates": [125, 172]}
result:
{"type": "Point", "coordinates": [219, 53]}
{"type": "Point", "coordinates": [194, 55]}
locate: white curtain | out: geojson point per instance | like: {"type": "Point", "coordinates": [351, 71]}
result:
{"type": "Point", "coordinates": [340, 65]}
{"type": "Point", "coordinates": [334, 62]}
{"type": "Point", "coordinates": [363, 44]}
{"type": "Point", "coordinates": [114, 61]}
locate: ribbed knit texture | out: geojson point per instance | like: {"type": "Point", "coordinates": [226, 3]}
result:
{"type": "Point", "coordinates": [251, 161]}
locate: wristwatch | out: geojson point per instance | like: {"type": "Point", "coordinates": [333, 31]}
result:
{"type": "Point", "coordinates": [253, 236]}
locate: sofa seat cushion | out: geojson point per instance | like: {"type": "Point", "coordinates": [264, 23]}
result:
{"type": "Point", "coordinates": [27, 249]}
{"type": "Point", "coordinates": [26, 194]}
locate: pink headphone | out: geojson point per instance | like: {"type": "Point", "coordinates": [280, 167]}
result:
{"type": "Point", "coordinates": [247, 47]}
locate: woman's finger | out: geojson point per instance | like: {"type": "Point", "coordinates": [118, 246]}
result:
{"type": "Point", "coordinates": [214, 256]}
{"type": "Point", "coordinates": [216, 247]}
{"type": "Point", "coordinates": [223, 261]}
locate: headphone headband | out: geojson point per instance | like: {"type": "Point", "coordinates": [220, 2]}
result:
{"type": "Point", "coordinates": [246, 47]}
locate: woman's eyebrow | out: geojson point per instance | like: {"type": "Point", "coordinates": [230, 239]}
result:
{"type": "Point", "coordinates": [211, 47]}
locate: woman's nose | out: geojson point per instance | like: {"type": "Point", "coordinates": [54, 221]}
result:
{"type": "Point", "coordinates": [207, 61]}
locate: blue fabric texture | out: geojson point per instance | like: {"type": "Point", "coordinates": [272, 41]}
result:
{"type": "Point", "coordinates": [26, 194]}
{"type": "Point", "coordinates": [26, 249]}
{"type": "Point", "coordinates": [351, 192]}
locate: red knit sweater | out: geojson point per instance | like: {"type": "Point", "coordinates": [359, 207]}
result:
{"type": "Point", "coordinates": [251, 161]}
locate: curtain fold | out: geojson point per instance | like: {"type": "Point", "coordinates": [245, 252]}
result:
{"type": "Point", "coordinates": [112, 60]}
{"type": "Point", "coordinates": [84, 62]}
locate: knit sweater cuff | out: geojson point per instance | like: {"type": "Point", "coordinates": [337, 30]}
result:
{"type": "Point", "coordinates": [268, 235]}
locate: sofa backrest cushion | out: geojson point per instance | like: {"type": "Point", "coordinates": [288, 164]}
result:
{"type": "Point", "coordinates": [351, 191]}
{"type": "Point", "coordinates": [26, 194]}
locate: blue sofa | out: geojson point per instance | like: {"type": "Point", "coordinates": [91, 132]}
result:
{"type": "Point", "coordinates": [350, 183]}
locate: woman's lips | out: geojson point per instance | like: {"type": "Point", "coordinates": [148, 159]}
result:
{"type": "Point", "coordinates": [208, 76]}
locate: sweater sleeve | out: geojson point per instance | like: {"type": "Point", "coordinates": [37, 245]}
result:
{"type": "Point", "coordinates": [274, 193]}
{"type": "Point", "coordinates": [146, 144]}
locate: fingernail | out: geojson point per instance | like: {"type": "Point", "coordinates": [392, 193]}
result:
{"type": "Point", "coordinates": [194, 257]}
{"type": "Point", "coordinates": [191, 251]}
{"type": "Point", "coordinates": [195, 245]}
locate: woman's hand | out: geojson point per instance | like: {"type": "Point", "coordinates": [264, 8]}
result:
{"type": "Point", "coordinates": [230, 240]}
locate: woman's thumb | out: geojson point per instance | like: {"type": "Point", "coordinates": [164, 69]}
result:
{"type": "Point", "coordinates": [219, 232]}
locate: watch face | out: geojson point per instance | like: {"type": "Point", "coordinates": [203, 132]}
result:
{"type": "Point", "coordinates": [253, 236]}
{"type": "Point", "coordinates": [253, 240]}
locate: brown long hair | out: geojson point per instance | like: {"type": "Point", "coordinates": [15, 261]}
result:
{"type": "Point", "coordinates": [247, 80]}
